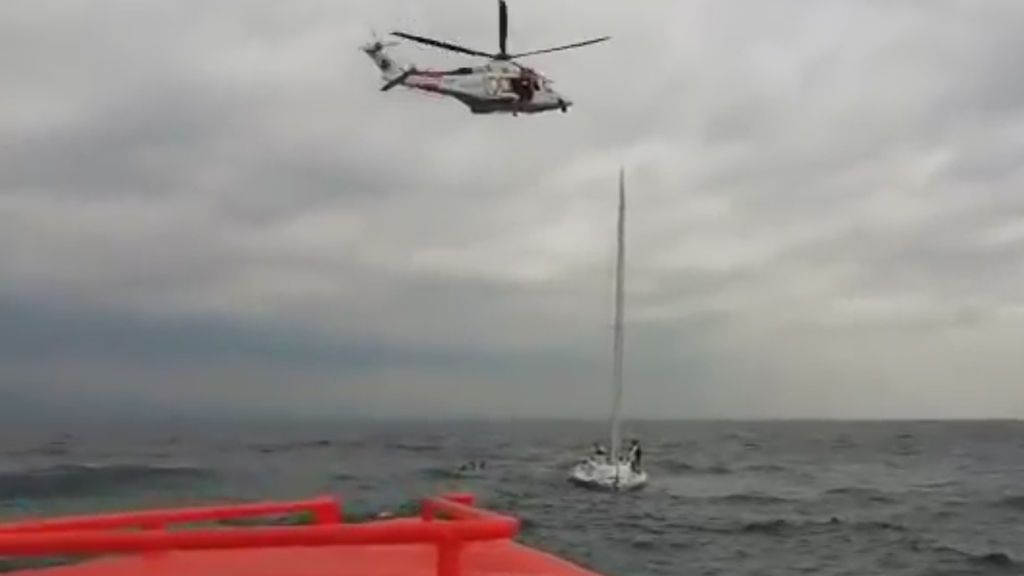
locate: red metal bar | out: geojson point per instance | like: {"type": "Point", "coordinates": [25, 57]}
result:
{"type": "Point", "coordinates": [460, 497]}
{"type": "Point", "coordinates": [329, 512]}
{"type": "Point", "coordinates": [100, 542]}
{"type": "Point", "coordinates": [93, 535]}
{"type": "Point", "coordinates": [449, 557]}
{"type": "Point", "coordinates": [459, 511]}
{"type": "Point", "coordinates": [326, 510]}
{"type": "Point", "coordinates": [449, 550]}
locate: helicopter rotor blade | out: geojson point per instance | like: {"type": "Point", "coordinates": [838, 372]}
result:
{"type": "Point", "coordinates": [502, 27]}
{"type": "Point", "coordinates": [444, 45]}
{"type": "Point", "coordinates": [557, 48]}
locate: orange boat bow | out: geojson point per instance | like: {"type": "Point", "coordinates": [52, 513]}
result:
{"type": "Point", "coordinates": [473, 542]}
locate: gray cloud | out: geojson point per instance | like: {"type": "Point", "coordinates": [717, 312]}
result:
{"type": "Point", "coordinates": [213, 209]}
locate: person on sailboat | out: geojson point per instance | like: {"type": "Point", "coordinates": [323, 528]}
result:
{"type": "Point", "coordinates": [599, 450]}
{"type": "Point", "coordinates": [635, 455]}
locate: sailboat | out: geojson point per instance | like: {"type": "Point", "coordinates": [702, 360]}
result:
{"type": "Point", "coordinates": [614, 472]}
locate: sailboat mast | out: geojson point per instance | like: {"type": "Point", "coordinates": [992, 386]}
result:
{"type": "Point", "coordinates": [618, 340]}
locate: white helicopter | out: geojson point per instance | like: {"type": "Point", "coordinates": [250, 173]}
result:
{"type": "Point", "coordinates": [501, 85]}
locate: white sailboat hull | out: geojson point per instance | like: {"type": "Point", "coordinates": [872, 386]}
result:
{"type": "Point", "coordinates": [603, 475]}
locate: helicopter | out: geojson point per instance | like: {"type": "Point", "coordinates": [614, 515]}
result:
{"type": "Point", "coordinates": [500, 85]}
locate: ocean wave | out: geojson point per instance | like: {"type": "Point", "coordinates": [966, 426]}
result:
{"type": "Point", "coordinates": [994, 559]}
{"type": "Point", "coordinates": [56, 448]}
{"type": "Point", "coordinates": [440, 473]}
{"type": "Point", "coordinates": [414, 447]}
{"type": "Point", "coordinates": [780, 526]}
{"type": "Point", "coordinates": [59, 447]}
{"type": "Point", "coordinates": [292, 446]}
{"type": "Point", "coordinates": [1001, 559]}
{"type": "Point", "coordinates": [765, 527]}
{"type": "Point", "coordinates": [1016, 501]}
{"type": "Point", "coordinates": [71, 480]}
{"type": "Point", "coordinates": [936, 484]}
{"type": "Point", "coordinates": [751, 498]}
{"type": "Point", "coordinates": [678, 466]}
{"type": "Point", "coordinates": [843, 443]}
{"type": "Point", "coordinates": [643, 543]}
{"type": "Point", "coordinates": [765, 468]}
{"type": "Point", "coordinates": [862, 494]}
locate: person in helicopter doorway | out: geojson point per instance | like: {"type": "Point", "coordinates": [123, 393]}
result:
{"type": "Point", "coordinates": [523, 86]}
{"type": "Point", "coordinates": [635, 456]}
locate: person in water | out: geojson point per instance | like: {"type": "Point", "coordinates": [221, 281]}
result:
{"type": "Point", "coordinates": [635, 456]}
{"type": "Point", "coordinates": [473, 465]}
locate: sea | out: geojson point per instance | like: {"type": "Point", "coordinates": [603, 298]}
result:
{"type": "Point", "coordinates": [731, 498]}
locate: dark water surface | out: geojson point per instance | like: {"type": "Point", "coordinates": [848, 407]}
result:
{"type": "Point", "coordinates": [914, 498]}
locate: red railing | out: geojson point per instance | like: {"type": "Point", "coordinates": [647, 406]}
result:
{"type": "Point", "coordinates": [324, 510]}
{"type": "Point", "coordinates": [92, 535]}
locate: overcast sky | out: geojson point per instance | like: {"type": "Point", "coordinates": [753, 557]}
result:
{"type": "Point", "coordinates": [210, 207]}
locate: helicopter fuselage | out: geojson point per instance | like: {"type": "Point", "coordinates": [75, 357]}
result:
{"type": "Point", "coordinates": [494, 87]}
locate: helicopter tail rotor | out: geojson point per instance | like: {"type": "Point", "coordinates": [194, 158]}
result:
{"type": "Point", "coordinates": [377, 44]}
{"type": "Point", "coordinates": [392, 71]}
